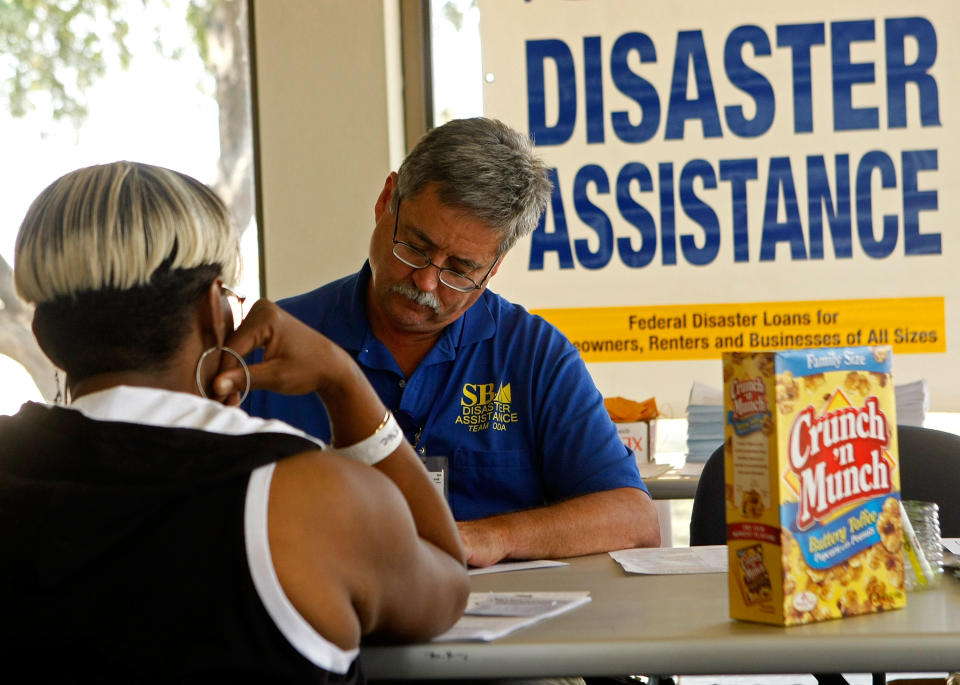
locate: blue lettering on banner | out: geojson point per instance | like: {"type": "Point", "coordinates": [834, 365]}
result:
{"type": "Point", "coordinates": [668, 234]}
{"type": "Point", "coordinates": [874, 247]}
{"type": "Point", "coordinates": [592, 216]}
{"type": "Point", "coordinates": [788, 231]}
{"type": "Point", "coordinates": [738, 172]}
{"type": "Point", "coordinates": [538, 52]}
{"type": "Point", "coordinates": [838, 193]}
{"type": "Point", "coordinates": [690, 56]}
{"type": "Point", "coordinates": [914, 201]}
{"type": "Point", "coordinates": [847, 73]}
{"type": "Point", "coordinates": [820, 200]}
{"type": "Point", "coordinates": [782, 199]}
{"type": "Point", "coordinates": [700, 212]}
{"type": "Point", "coordinates": [692, 52]}
{"type": "Point", "coordinates": [637, 215]}
{"type": "Point", "coordinates": [634, 87]}
{"type": "Point", "coordinates": [557, 240]}
{"type": "Point", "coordinates": [801, 38]}
{"type": "Point", "coordinates": [899, 73]}
{"type": "Point", "coordinates": [750, 81]}
{"type": "Point", "coordinates": [594, 86]}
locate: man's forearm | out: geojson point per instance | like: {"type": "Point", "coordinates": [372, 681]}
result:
{"type": "Point", "coordinates": [598, 522]}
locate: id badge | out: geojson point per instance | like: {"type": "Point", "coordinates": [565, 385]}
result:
{"type": "Point", "coordinates": [438, 468]}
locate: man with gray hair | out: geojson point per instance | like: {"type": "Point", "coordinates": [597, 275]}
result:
{"type": "Point", "coordinates": [497, 401]}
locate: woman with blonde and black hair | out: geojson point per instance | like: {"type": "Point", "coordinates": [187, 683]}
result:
{"type": "Point", "coordinates": [150, 533]}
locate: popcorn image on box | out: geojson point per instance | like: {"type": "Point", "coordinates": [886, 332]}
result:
{"type": "Point", "coordinates": [812, 484]}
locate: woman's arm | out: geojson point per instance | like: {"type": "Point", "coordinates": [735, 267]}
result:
{"type": "Point", "coordinates": [348, 556]}
{"type": "Point", "coordinates": [297, 360]}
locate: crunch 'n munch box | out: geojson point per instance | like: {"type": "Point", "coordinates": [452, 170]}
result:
{"type": "Point", "coordinates": [812, 484]}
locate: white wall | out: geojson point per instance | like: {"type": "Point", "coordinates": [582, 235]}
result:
{"type": "Point", "coordinates": [327, 103]}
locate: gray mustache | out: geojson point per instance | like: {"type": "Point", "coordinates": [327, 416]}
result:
{"type": "Point", "coordinates": [424, 299]}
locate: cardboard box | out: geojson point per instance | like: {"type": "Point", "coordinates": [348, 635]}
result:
{"type": "Point", "coordinates": [641, 437]}
{"type": "Point", "coordinates": [812, 484]}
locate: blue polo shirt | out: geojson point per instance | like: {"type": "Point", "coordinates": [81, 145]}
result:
{"type": "Point", "coordinates": [503, 395]}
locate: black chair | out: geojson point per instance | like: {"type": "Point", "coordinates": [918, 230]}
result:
{"type": "Point", "coordinates": [929, 472]}
{"type": "Point", "coordinates": [708, 519]}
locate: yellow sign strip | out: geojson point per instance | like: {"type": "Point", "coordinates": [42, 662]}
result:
{"type": "Point", "coordinates": [913, 325]}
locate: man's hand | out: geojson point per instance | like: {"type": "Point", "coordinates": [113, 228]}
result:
{"type": "Point", "coordinates": [482, 541]}
{"type": "Point", "coordinates": [588, 524]}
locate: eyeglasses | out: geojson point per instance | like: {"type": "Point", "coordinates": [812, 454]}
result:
{"type": "Point", "coordinates": [235, 300]}
{"type": "Point", "coordinates": [411, 256]}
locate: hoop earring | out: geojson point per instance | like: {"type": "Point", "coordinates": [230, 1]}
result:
{"type": "Point", "coordinates": [60, 396]}
{"type": "Point", "coordinates": [236, 355]}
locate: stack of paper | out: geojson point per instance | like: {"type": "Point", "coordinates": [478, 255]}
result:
{"type": "Point", "coordinates": [490, 615]}
{"type": "Point", "coordinates": [913, 402]}
{"type": "Point", "coordinates": [705, 415]}
{"type": "Point", "coordinates": [704, 422]}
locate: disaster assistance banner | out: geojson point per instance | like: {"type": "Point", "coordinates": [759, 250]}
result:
{"type": "Point", "coordinates": [747, 175]}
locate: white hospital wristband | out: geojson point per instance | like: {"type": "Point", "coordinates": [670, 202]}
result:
{"type": "Point", "coordinates": [380, 445]}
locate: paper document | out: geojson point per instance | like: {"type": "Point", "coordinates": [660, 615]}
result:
{"type": "Point", "coordinates": [951, 554]}
{"type": "Point", "coordinates": [691, 469]}
{"type": "Point", "coordinates": [952, 545]}
{"type": "Point", "coordinates": [704, 394]}
{"type": "Point", "coordinates": [670, 560]}
{"type": "Point", "coordinates": [490, 615]}
{"type": "Point", "coordinates": [516, 566]}
{"type": "Point", "coordinates": [652, 469]}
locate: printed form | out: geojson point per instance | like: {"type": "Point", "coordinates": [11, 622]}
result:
{"type": "Point", "coordinates": [490, 615]}
{"type": "Point", "coordinates": [668, 560]}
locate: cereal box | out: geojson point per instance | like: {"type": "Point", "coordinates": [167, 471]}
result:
{"type": "Point", "coordinates": [812, 484]}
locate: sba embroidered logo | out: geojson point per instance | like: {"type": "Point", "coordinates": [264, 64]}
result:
{"type": "Point", "coordinates": [482, 408]}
